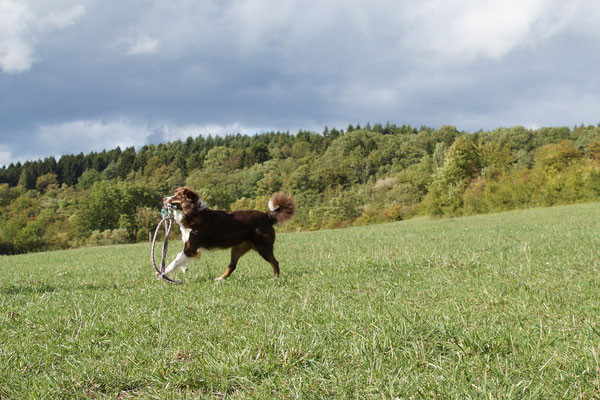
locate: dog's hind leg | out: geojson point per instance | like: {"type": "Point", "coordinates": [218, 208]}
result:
{"type": "Point", "coordinates": [267, 253]}
{"type": "Point", "coordinates": [236, 253]}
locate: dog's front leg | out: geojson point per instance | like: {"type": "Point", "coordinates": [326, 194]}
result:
{"type": "Point", "coordinates": [180, 260]}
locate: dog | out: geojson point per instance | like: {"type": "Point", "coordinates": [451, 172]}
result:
{"type": "Point", "coordinates": [205, 229]}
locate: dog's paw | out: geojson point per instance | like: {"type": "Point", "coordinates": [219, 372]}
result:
{"type": "Point", "coordinates": [184, 269]}
{"type": "Point", "coordinates": [219, 279]}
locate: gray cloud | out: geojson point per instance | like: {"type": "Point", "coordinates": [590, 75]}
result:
{"type": "Point", "coordinates": [21, 27]}
{"type": "Point", "coordinates": [83, 75]}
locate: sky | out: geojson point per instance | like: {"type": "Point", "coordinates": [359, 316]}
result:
{"type": "Point", "coordinates": [86, 75]}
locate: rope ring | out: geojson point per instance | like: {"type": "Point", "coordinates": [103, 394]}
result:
{"type": "Point", "coordinates": [161, 272]}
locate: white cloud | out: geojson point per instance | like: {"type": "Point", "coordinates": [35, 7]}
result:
{"type": "Point", "coordinates": [175, 132]}
{"type": "Point", "coordinates": [97, 134]}
{"type": "Point", "coordinates": [366, 95]}
{"type": "Point", "coordinates": [293, 64]}
{"type": "Point", "coordinates": [564, 108]}
{"type": "Point", "coordinates": [16, 49]}
{"type": "Point", "coordinates": [5, 155]}
{"type": "Point", "coordinates": [466, 30]}
{"type": "Point", "coordinates": [21, 30]}
{"type": "Point", "coordinates": [142, 45]}
{"type": "Point", "coordinates": [459, 31]}
{"type": "Point", "coordinates": [294, 33]}
{"type": "Point", "coordinates": [63, 19]}
{"type": "Point", "coordinates": [91, 135]}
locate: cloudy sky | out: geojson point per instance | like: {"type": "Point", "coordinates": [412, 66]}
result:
{"type": "Point", "coordinates": [83, 75]}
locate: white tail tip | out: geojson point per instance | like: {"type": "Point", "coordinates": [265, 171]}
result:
{"type": "Point", "coordinates": [272, 207]}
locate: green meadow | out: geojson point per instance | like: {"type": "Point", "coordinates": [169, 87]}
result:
{"type": "Point", "coordinates": [494, 306]}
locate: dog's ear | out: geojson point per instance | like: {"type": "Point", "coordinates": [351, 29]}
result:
{"type": "Point", "coordinates": [190, 195]}
{"type": "Point", "coordinates": [180, 192]}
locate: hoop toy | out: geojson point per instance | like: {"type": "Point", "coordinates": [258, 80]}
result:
{"type": "Point", "coordinates": [168, 221]}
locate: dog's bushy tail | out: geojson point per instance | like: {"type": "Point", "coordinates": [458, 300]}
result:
{"type": "Point", "coordinates": [282, 207]}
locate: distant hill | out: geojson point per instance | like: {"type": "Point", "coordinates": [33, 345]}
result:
{"type": "Point", "coordinates": [356, 176]}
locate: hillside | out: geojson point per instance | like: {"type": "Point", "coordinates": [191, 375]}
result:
{"type": "Point", "coordinates": [338, 178]}
{"type": "Point", "coordinates": [494, 306]}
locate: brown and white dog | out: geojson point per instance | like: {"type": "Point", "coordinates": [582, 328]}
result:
{"type": "Point", "coordinates": [206, 229]}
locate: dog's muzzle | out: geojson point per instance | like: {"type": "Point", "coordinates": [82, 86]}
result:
{"type": "Point", "coordinates": [171, 206]}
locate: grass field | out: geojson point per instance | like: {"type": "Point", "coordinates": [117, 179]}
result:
{"type": "Point", "coordinates": [495, 306]}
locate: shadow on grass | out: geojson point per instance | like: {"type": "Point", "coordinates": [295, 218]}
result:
{"type": "Point", "coordinates": [239, 278]}
{"type": "Point", "coordinates": [38, 287]}
{"type": "Point", "coordinates": [41, 288]}
{"type": "Point", "coordinates": [33, 289]}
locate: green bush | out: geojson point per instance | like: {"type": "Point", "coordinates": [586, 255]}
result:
{"type": "Point", "coordinates": [108, 237]}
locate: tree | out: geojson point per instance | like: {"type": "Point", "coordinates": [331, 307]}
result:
{"type": "Point", "coordinates": [180, 163]}
{"type": "Point", "coordinates": [450, 181]}
{"type": "Point", "coordinates": [28, 176]}
{"type": "Point", "coordinates": [113, 206]}
{"type": "Point", "coordinates": [88, 178]}
{"type": "Point", "coordinates": [493, 154]}
{"type": "Point", "coordinates": [99, 211]}
{"type": "Point", "coordinates": [125, 163]}
{"type": "Point", "coordinates": [270, 182]}
{"type": "Point", "coordinates": [593, 150]}
{"type": "Point", "coordinates": [349, 155]}
{"type": "Point", "coordinates": [7, 194]}
{"type": "Point", "coordinates": [11, 174]}
{"type": "Point", "coordinates": [43, 182]}
{"type": "Point", "coordinates": [462, 163]}
{"type": "Point", "coordinates": [218, 158]}
{"type": "Point", "coordinates": [29, 238]}
{"type": "Point", "coordinates": [439, 155]}
{"type": "Point", "coordinates": [557, 157]}
{"type": "Point", "coordinates": [110, 172]}
{"type": "Point", "coordinates": [70, 168]}
{"type": "Point", "coordinates": [145, 221]}
{"type": "Point", "coordinates": [256, 153]}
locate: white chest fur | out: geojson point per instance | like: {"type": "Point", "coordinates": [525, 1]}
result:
{"type": "Point", "coordinates": [185, 232]}
{"type": "Point", "coordinates": [178, 216]}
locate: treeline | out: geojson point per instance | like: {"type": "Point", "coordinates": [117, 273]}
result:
{"type": "Point", "coordinates": [358, 175]}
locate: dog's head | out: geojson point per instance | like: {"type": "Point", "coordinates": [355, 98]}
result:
{"type": "Point", "coordinates": [184, 199]}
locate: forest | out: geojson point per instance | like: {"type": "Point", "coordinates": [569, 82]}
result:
{"type": "Point", "coordinates": [353, 176]}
